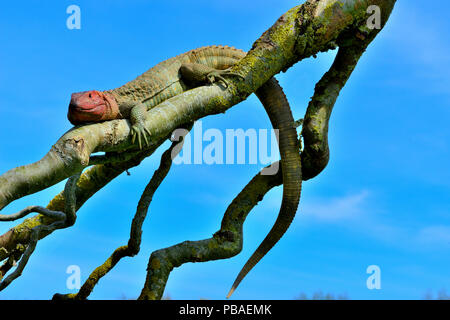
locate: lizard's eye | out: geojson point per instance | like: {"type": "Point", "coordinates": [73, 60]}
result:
{"type": "Point", "coordinates": [90, 95]}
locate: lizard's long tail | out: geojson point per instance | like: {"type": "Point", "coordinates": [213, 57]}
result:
{"type": "Point", "coordinates": [275, 102]}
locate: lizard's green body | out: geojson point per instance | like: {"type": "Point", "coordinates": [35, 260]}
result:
{"type": "Point", "coordinates": [164, 81]}
{"type": "Point", "coordinates": [185, 71]}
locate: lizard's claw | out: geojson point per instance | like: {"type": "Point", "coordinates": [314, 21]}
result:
{"type": "Point", "coordinates": [298, 123]}
{"type": "Point", "coordinates": [216, 75]}
{"type": "Point", "coordinates": [138, 131]}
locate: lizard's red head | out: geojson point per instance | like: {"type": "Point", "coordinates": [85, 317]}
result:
{"type": "Point", "coordinates": [92, 106]}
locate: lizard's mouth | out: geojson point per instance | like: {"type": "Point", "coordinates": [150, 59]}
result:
{"type": "Point", "coordinates": [96, 109]}
{"type": "Point", "coordinates": [92, 106]}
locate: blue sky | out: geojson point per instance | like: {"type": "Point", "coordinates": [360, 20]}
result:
{"type": "Point", "coordinates": [383, 199]}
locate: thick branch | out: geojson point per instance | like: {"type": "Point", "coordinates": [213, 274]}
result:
{"type": "Point", "coordinates": [316, 154]}
{"type": "Point", "coordinates": [90, 182]}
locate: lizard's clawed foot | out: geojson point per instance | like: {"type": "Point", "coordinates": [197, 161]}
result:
{"type": "Point", "coordinates": [217, 75]}
{"type": "Point", "coordinates": [298, 123]}
{"type": "Point", "coordinates": [138, 131]}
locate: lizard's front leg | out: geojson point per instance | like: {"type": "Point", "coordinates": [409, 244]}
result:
{"type": "Point", "coordinates": [194, 74]}
{"type": "Point", "coordinates": [138, 129]}
{"type": "Point", "coordinates": [197, 74]}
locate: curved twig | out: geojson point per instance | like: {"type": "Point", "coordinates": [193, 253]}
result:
{"type": "Point", "coordinates": [63, 220]}
{"type": "Point", "coordinates": [225, 243]}
{"type": "Point", "coordinates": [91, 181]}
{"type": "Point", "coordinates": [133, 246]}
{"type": "Point", "coordinates": [57, 215]}
{"type": "Point", "coordinates": [316, 153]}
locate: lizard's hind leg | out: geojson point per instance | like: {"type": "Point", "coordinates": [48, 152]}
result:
{"type": "Point", "coordinates": [216, 75]}
{"type": "Point", "coordinates": [197, 74]}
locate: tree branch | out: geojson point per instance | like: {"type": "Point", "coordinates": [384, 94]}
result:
{"type": "Point", "coordinates": [133, 246]}
{"type": "Point", "coordinates": [225, 243]}
{"type": "Point", "coordinates": [62, 220]}
{"type": "Point", "coordinates": [90, 182]}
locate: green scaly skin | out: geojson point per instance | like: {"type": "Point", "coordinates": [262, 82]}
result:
{"type": "Point", "coordinates": [170, 78]}
{"type": "Point", "coordinates": [208, 65]}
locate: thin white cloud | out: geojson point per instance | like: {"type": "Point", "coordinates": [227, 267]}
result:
{"type": "Point", "coordinates": [434, 235]}
{"type": "Point", "coordinates": [359, 213]}
{"type": "Point", "coordinates": [337, 208]}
